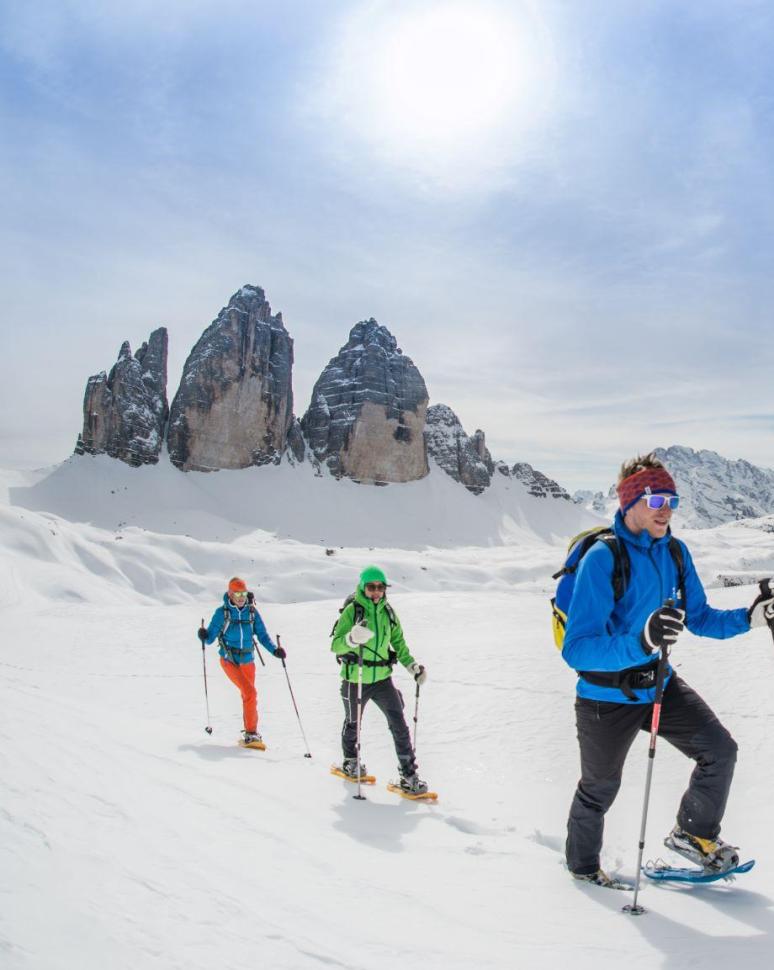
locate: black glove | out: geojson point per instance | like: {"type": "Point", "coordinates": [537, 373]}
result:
{"type": "Point", "coordinates": [348, 658]}
{"type": "Point", "coordinates": [280, 653]}
{"type": "Point", "coordinates": [761, 613]}
{"type": "Point", "coordinates": [662, 628]}
{"type": "Point", "coordinates": [202, 633]}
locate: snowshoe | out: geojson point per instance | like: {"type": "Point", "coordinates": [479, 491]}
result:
{"type": "Point", "coordinates": [251, 739]}
{"type": "Point", "coordinates": [348, 771]}
{"type": "Point", "coordinates": [601, 878]}
{"type": "Point", "coordinates": [409, 785]}
{"type": "Point", "coordinates": [713, 855]}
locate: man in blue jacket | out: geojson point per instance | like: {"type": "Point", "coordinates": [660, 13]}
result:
{"type": "Point", "coordinates": [614, 645]}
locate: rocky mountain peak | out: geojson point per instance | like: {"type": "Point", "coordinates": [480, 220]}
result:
{"type": "Point", "coordinates": [367, 413]}
{"type": "Point", "coordinates": [714, 490]}
{"type": "Point", "coordinates": [234, 406]}
{"type": "Point", "coordinates": [464, 458]}
{"type": "Point", "coordinates": [125, 411]}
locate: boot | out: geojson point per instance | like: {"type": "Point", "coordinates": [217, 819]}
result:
{"type": "Point", "coordinates": [713, 855]}
{"type": "Point", "coordinates": [349, 767]}
{"type": "Point", "coordinates": [410, 781]}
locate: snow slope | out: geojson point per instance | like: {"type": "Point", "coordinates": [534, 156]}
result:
{"type": "Point", "coordinates": [294, 502]}
{"type": "Point", "coordinates": [129, 838]}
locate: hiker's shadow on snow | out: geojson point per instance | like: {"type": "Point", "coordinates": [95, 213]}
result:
{"type": "Point", "coordinates": [680, 941]}
{"type": "Point", "coordinates": [376, 825]}
{"type": "Point", "coordinates": [220, 752]}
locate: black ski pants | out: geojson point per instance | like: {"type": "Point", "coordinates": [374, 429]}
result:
{"type": "Point", "coordinates": [389, 700]}
{"type": "Point", "coordinates": [605, 734]}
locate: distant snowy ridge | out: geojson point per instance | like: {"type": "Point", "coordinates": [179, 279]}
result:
{"type": "Point", "coordinates": [713, 490]}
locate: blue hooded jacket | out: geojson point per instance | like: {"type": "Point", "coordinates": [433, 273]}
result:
{"type": "Point", "coordinates": [239, 635]}
{"type": "Point", "coordinates": [604, 635]}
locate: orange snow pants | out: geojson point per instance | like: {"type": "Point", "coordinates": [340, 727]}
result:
{"type": "Point", "coordinates": [243, 675]}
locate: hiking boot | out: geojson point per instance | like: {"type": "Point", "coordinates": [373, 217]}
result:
{"type": "Point", "coordinates": [249, 736]}
{"type": "Point", "coordinates": [600, 878]}
{"type": "Point", "coordinates": [713, 855]}
{"type": "Point", "coordinates": [349, 767]}
{"type": "Point", "coordinates": [411, 783]}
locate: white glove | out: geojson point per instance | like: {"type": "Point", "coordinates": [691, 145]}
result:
{"type": "Point", "coordinates": [419, 673]}
{"type": "Point", "coordinates": [358, 635]}
{"type": "Point", "coordinates": [761, 613]}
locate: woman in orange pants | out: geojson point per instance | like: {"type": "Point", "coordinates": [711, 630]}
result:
{"type": "Point", "coordinates": [235, 624]}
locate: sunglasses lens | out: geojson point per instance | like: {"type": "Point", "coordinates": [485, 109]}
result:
{"type": "Point", "coordinates": [659, 501]}
{"type": "Point", "coordinates": [374, 587]}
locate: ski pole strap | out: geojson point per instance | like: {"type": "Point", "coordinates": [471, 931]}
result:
{"type": "Point", "coordinates": [627, 681]}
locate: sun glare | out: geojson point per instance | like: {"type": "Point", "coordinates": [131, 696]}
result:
{"type": "Point", "coordinates": [433, 85]}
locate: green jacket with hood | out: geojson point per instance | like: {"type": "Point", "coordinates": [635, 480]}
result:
{"type": "Point", "coordinates": [387, 633]}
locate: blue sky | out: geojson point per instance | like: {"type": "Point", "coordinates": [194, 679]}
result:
{"type": "Point", "coordinates": [562, 210]}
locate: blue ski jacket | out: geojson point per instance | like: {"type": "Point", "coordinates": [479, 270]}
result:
{"type": "Point", "coordinates": [604, 635]}
{"type": "Point", "coordinates": [239, 634]}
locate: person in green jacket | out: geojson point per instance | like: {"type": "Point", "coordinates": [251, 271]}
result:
{"type": "Point", "coordinates": [368, 624]}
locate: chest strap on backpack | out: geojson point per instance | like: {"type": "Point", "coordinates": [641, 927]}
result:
{"type": "Point", "coordinates": [627, 681]}
{"type": "Point", "coordinates": [351, 658]}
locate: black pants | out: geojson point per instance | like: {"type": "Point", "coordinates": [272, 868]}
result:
{"type": "Point", "coordinates": [389, 700]}
{"type": "Point", "coordinates": [605, 734]}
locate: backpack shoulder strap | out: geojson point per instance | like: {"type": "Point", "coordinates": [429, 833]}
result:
{"type": "Point", "coordinates": [622, 567]}
{"type": "Point", "coordinates": [344, 605]}
{"type": "Point", "coordinates": [676, 550]}
{"type": "Point", "coordinates": [391, 614]}
{"type": "Point", "coordinates": [226, 621]}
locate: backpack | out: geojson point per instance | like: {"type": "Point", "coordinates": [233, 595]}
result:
{"type": "Point", "coordinates": [577, 549]}
{"type": "Point", "coordinates": [227, 621]}
{"type": "Point", "coordinates": [359, 617]}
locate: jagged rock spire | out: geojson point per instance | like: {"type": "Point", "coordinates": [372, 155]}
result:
{"type": "Point", "coordinates": [125, 411]}
{"type": "Point", "coordinates": [367, 413]}
{"type": "Point", "coordinates": [234, 406]}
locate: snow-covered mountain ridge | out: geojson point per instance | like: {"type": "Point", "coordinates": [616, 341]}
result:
{"type": "Point", "coordinates": [713, 490]}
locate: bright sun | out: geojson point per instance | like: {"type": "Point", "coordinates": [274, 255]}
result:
{"type": "Point", "coordinates": [446, 73]}
{"type": "Point", "coordinates": [432, 83]}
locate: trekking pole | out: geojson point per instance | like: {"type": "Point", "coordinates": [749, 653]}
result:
{"type": "Point", "coordinates": [416, 720]}
{"type": "Point", "coordinates": [292, 697]}
{"type": "Point", "coordinates": [632, 908]}
{"type": "Point", "coordinates": [208, 729]}
{"type": "Point", "coordinates": [359, 797]}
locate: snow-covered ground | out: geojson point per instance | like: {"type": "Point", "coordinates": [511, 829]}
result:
{"type": "Point", "coordinates": [129, 838]}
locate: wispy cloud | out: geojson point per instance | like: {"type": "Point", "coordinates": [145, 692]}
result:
{"type": "Point", "coordinates": [578, 280]}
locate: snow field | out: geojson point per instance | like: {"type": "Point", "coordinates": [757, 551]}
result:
{"type": "Point", "coordinates": [129, 838]}
{"type": "Point", "coordinates": [136, 839]}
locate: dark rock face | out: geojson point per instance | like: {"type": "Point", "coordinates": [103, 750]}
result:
{"type": "Point", "coordinates": [234, 406]}
{"type": "Point", "coordinates": [537, 483]}
{"type": "Point", "coordinates": [367, 414]}
{"type": "Point", "coordinates": [296, 443]}
{"type": "Point", "coordinates": [465, 459]}
{"type": "Point", "coordinates": [125, 411]}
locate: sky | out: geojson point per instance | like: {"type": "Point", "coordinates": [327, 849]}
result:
{"type": "Point", "coordinates": [562, 210]}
